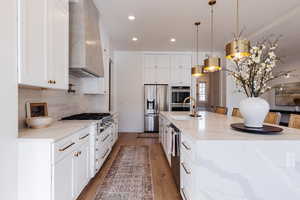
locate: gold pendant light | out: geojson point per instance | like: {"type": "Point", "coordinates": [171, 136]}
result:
{"type": "Point", "coordinates": [197, 70]}
{"type": "Point", "coordinates": [212, 63]}
{"type": "Point", "coordinates": [238, 48]}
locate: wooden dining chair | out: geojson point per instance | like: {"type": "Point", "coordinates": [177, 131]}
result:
{"type": "Point", "coordinates": [236, 113]}
{"type": "Point", "coordinates": [221, 110]}
{"type": "Point", "coordinates": [273, 118]}
{"type": "Point", "coordinates": [294, 121]}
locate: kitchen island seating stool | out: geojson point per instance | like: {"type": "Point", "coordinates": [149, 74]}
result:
{"type": "Point", "coordinates": [294, 121]}
{"type": "Point", "coordinates": [221, 110]}
{"type": "Point", "coordinates": [236, 113]}
{"type": "Point", "coordinates": [273, 118]}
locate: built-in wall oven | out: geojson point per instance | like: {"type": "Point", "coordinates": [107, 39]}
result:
{"type": "Point", "coordinates": [178, 94]}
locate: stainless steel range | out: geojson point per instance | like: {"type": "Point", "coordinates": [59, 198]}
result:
{"type": "Point", "coordinates": [103, 136]}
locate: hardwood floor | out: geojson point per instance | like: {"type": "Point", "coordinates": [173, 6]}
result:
{"type": "Point", "coordinates": [163, 183]}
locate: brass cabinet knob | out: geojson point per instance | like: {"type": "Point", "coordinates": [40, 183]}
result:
{"type": "Point", "coordinates": [54, 82]}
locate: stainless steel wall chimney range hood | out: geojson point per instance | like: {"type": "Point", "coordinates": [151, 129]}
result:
{"type": "Point", "coordinates": [86, 59]}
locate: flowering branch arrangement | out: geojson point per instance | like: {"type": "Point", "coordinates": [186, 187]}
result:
{"type": "Point", "coordinates": [253, 74]}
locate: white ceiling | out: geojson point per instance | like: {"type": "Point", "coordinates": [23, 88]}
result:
{"type": "Point", "coordinates": [159, 20]}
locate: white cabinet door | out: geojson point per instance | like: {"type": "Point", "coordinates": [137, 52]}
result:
{"type": "Point", "coordinates": [163, 69]}
{"type": "Point", "coordinates": [163, 76]}
{"type": "Point", "coordinates": [163, 61]}
{"type": "Point", "coordinates": [181, 70]}
{"type": "Point", "coordinates": [150, 61]}
{"type": "Point", "coordinates": [58, 45]}
{"type": "Point", "coordinates": [156, 69]}
{"type": "Point", "coordinates": [33, 42]}
{"type": "Point", "coordinates": [82, 167]}
{"type": "Point", "coordinates": [150, 75]}
{"type": "Point", "coordinates": [63, 179]}
{"type": "Point", "coordinates": [178, 75]}
{"type": "Point", "coordinates": [44, 43]}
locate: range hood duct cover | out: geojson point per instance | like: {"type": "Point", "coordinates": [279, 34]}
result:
{"type": "Point", "coordinates": [86, 58]}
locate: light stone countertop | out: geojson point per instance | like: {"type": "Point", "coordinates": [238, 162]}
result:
{"type": "Point", "coordinates": [213, 126]}
{"type": "Point", "coordinates": [56, 131]}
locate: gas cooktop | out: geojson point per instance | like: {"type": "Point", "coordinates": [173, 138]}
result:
{"type": "Point", "coordinates": [87, 116]}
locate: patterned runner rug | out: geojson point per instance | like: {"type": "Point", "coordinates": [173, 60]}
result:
{"type": "Point", "coordinates": [129, 177]}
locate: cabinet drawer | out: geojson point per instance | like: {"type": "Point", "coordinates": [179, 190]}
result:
{"type": "Point", "coordinates": [64, 147]}
{"type": "Point", "coordinates": [187, 148]}
{"type": "Point", "coordinates": [186, 177]}
{"type": "Point", "coordinates": [83, 136]}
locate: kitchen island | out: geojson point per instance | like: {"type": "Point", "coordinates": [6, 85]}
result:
{"type": "Point", "coordinates": [218, 163]}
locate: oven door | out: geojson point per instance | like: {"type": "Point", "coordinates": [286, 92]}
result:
{"type": "Point", "coordinates": [179, 94]}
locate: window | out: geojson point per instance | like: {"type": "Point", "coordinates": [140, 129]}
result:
{"type": "Point", "coordinates": [202, 91]}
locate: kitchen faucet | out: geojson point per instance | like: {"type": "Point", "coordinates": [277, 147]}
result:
{"type": "Point", "coordinates": [194, 107]}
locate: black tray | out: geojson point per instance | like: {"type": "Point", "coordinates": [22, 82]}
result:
{"type": "Point", "coordinates": [265, 130]}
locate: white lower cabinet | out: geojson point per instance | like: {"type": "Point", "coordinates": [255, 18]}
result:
{"type": "Point", "coordinates": [165, 137]}
{"type": "Point", "coordinates": [188, 167]}
{"type": "Point", "coordinates": [63, 178]}
{"type": "Point", "coordinates": [81, 167]}
{"type": "Point", "coordinates": [51, 170]}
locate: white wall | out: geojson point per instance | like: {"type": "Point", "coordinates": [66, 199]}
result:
{"type": "Point", "coordinates": [130, 98]}
{"type": "Point", "coordinates": [8, 96]}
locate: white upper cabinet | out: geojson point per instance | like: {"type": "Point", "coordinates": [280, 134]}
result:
{"type": "Point", "coordinates": [33, 42]}
{"type": "Point", "coordinates": [58, 69]}
{"type": "Point", "coordinates": [168, 69]}
{"type": "Point", "coordinates": [156, 69]}
{"type": "Point", "coordinates": [181, 70]}
{"type": "Point", "coordinates": [43, 43]}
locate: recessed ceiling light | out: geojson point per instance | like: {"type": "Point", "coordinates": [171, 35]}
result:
{"type": "Point", "coordinates": [172, 40]}
{"type": "Point", "coordinates": [131, 17]}
{"type": "Point", "coordinates": [135, 39]}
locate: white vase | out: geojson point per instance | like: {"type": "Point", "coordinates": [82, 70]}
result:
{"type": "Point", "coordinates": [254, 111]}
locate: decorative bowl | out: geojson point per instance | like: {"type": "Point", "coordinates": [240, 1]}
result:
{"type": "Point", "coordinates": [39, 122]}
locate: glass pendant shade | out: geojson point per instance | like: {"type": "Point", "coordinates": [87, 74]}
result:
{"type": "Point", "coordinates": [212, 64]}
{"type": "Point", "coordinates": [197, 71]}
{"type": "Point", "coordinates": [238, 49]}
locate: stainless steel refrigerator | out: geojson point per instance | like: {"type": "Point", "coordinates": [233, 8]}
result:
{"type": "Point", "coordinates": [156, 100]}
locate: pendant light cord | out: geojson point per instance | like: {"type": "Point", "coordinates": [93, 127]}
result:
{"type": "Point", "coordinates": [237, 19]}
{"type": "Point", "coordinates": [212, 31]}
{"type": "Point", "coordinates": [197, 46]}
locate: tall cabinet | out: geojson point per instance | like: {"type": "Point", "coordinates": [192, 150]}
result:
{"type": "Point", "coordinates": [43, 40]}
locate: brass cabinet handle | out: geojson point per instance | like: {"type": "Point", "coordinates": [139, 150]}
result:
{"type": "Point", "coordinates": [76, 154]}
{"type": "Point", "coordinates": [52, 82]}
{"type": "Point", "coordinates": [184, 195]}
{"type": "Point", "coordinates": [187, 171]}
{"type": "Point", "coordinates": [81, 138]}
{"type": "Point", "coordinates": [65, 148]}
{"type": "Point", "coordinates": [186, 146]}
{"type": "Point", "coordinates": [105, 138]}
{"type": "Point", "coordinates": [105, 154]}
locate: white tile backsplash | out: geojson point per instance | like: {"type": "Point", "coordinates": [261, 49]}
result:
{"type": "Point", "coordinates": [60, 102]}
